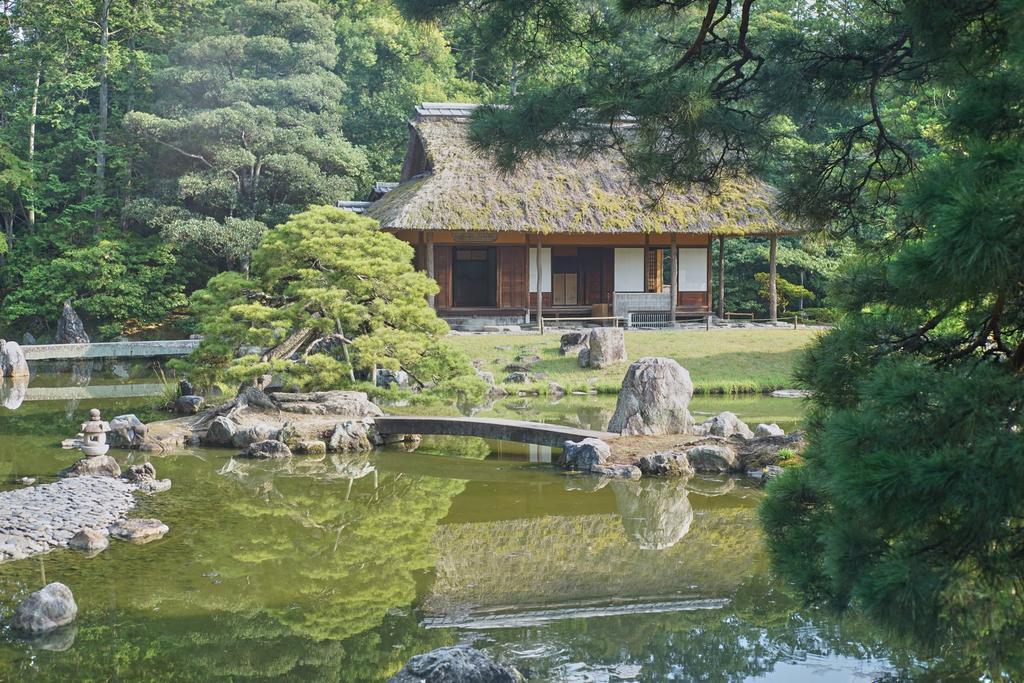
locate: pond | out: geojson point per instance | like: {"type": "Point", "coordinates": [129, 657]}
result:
{"type": "Point", "coordinates": [341, 568]}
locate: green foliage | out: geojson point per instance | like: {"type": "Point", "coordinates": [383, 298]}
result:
{"type": "Point", "coordinates": [785, 290]}
{"type": "Point", "coordinates": [328, 271]}
{"type": "Point", "coordinates": [248, 131]}
{"type": "Point", "coordinates": [112, 282]}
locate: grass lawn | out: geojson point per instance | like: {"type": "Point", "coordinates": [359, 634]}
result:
{"type": "Point", "coordinates": [729, 361]}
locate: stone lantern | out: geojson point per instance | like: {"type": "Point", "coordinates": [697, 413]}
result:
{"type": "Point", "coordinates": [94, 435]}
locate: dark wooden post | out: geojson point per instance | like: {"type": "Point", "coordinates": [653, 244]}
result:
{"type": "Point", "coordinates": [773, 294]}
{"type": "Point", "coordinates": [673, 289]}
{"type": "Point", "coordinates": [430, 265]}
{"type": "Point", "coordinates": [721, 277]}
{"type": "Point", "coordinates": [540, 288]}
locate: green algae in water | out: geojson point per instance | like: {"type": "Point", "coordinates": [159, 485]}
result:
{"type": "Point", "coordinates": [341, 568]}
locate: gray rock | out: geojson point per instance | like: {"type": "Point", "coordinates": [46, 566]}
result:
{"type": "Point", "coordinates": [51, 607]}
{"type": "Point", "coordinates": [583, 357]}
{"type": "Point", "coordinates": [28, 339]}
{"type": "Point", "coordinates": [555, 389]}
{"type": "Point", "coordinates": [764, 430]}
{"type": "Point", "coordinates": [459, 664]}
{"type": "Point", "coordinates": [221, 432]}
{"type": "Point", "coordinates": [141, 472]}
{"type": "Point", "coordinates": [487, 377]}
{"type": "Point", "coordinates": [186, 388]}
{"type": "Point", "coordinates": [249, 395]}
{"type": "Point", "coordinates": [12, 360]}
{"type": "Point", "coordinates": [70, 329]}
{"type": "Point", "coordinates": [246, 436]}
{"type": "Point", "coordinates": [154, 486]}
{"type": "Point", "coordinates": [350, 436]}
{"type": "Point", "coordinates": [95, 466]}
{"type": "Point", "coordinates": [726, 424]}
{"type": "Point", "coordinates": [607, 346]}
{"type": "Point", "coordinates": [654, 399]}
{"type": "Point", "coordinates": [616, 470]}
{"type": "Point", "coordinates": [188, 405]}
{"type": "Point", "coordinates": [311, 447]}
{"type": "Point", "coordinates": [584, 455]}
{"type": "Point", "coordinates": [712, 458]}
{"type": "Point", "coordinates": [138, 530]}
{"type": "Point", "coordinates": [387, 378]}
{"type": "Point", "coordinates": [518, 377]}
{"type": "Point", "coordinates": [90, 540]}
{"type": "Point", "coordinates": [669, 464]}
{"type": "Point", "coordinates": [127, 431]}
{"type": "Point", "coordinates": [571, 343]}
{"type": "Point", "coordinates": [348, 403]}
{"type": "Point", "coordinates": [268, 449]}
{"type": "Point", "coordinates": [330, 345]}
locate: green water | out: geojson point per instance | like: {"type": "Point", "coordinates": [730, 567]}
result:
{"type": "Point", "coordinates": [341, 568]}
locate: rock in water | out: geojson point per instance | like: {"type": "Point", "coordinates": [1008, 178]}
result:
{"type": "Point", "coordinates": [138, 530]}
{"type": "Point", "coordinates": [90, 540]}
{"type": "Point", "coordinates": [607, 346]}
{"type": "Point", "coordinates": [712, 458]}
{"type": "Point", "coordinates": [142, 472]}
{"type": "Point", "coordinates": [51, 607]}
{"type": "Point", "coordinates": [350, 436]}
{"type": "Point", "coordinates": [670, 464]}
{"type": "Point", "coordinates": [459, 664]}
{"type": "Point", "coordinates": [95, 466]}
{"type": "Point", "coordinates": [221, 432]}
{"type": "Point", "coordinates": [268, 449]}
{"type": "Point", "coordinates": [12, 360]}
{"type": "Point", "coordinates": [188, 405]}
{"type": "Point", "coordinates": [127, 431]}
{"type": "Point", "coordinates": [584, 455]}
{"type": "Point", "coordinates": [654, 399]}
{"type": "Point", "coordinates": [244, 438]}
{"type": "Point", "coordinates": [70, 329]}
{"type": "Point", "coordinates": [726, 424]}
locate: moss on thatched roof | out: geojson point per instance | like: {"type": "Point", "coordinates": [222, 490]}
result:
{"type": "Point", "coordinates": [461, 189]}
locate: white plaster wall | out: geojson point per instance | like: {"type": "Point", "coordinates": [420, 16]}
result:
{"type": "Point", "coordinates": [545, 258]}
{"type": "Point", "coordinates": [693, 269]}
{"type": "Point", "coordinates": [629, 270]}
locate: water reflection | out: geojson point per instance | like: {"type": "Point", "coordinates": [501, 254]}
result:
{"type": "Point", "coordinates": [13, 391]}
{"type": "Point", "coordinates": [655, 514]}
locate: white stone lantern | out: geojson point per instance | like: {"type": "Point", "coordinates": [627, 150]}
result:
{"type": "Point", "coordinates": [94, 435]}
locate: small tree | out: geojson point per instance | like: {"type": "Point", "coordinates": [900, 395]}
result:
{"type": "Point", "coordinates": [786, 290]}
{"type": "Point", "coordinates": [329, 294]}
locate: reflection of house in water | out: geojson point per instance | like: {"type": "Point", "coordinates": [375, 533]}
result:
{"type": "Point", "coordinates": [640, 547]}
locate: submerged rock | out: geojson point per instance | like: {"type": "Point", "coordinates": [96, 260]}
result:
{"type": "Point", "coordinates": [95, 466]}
{"type": "Point", "coordinates": [269, 449]}
{"type": "Point", "coordinates": [138, 530]}
{"type": "Point", "coordinates": [654, 399]}
{"type": "Point", "coordinates": [459, 664]}
{"type": "Point", "coordinates": [51, 607]}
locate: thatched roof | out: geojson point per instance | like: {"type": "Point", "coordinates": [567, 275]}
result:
{"type": "Point", "coordinates": [448, 184]}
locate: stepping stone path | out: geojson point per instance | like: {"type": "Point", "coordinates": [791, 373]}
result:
{"type": "Point", "coordinates": [38, 519]}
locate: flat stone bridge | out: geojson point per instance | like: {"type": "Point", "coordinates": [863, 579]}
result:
{"type": "Point", "coordinates": [126, 349]}
{"type": "Point", "coordinates": [488, 428]}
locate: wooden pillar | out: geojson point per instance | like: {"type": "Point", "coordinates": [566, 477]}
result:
{"type": "Point", "coordinates": [540, 288]}
{"type": "Point", "coordinates": [430, 266]}
{"type": "Point", "coordinates": [773, 295]}
{"type": "Point", "coordinates": [673, 289]}
{"type": "Point", "coordinates": [721, 277]}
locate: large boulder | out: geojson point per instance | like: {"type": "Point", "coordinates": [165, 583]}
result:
{"type": "Point", "coordinates": [350, 436]}
{"type": "Point", "coordinates": [713, 458]}
{"type": "Point", "coordinates": [571, 343]}
{"type": "Point", "coordinates": [349, 403]}
{"type": "Point", "coordinates": [246, 436]}
{"type": "Point", "coordinates": [12, 360]}
{"type": "Point", "coordinates": [127, 431]}
{"type": "Point", "coordinates": [726, 424]}
{"type": "Point", "coordinates": [654, 399]}
{"type": "Point", "coordinates": [220, 432]}
{"type": "Point", "coordinates": [607, 347]}
{"type": "Point", "coordinates": [459, 664]}
{"type": "Point", "coordinates": [270, 449]}
{"type": "Point", "coordinates": [89, 540]}
{"type": "Point", "coordinates": [51, 607]}
{"type": "Point", "coordinates": [70, 329]}
{"type": "Point", "coordinates": [95, 466]}
{"type": "Point", "coordinates": [585, 455]}
{"type": "Point", "coordinates": [188, 405]}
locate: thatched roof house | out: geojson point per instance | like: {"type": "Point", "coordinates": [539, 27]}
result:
{"type": "Point", "coordinates": [579, 231]}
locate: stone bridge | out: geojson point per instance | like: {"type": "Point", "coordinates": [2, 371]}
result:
{"type": "Point", "coordinates": [126, 349]}
{"type": "Point", "coordinates": [488, 428]}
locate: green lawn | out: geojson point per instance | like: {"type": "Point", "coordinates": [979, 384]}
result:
{"type": "Point", "coordinates": [727, 361]}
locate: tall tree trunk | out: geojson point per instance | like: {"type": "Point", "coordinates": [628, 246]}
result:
{"type": "Point", "coordinates": [773, 292]}
{"type": "Point", "coordinates": [104, 112]}
{"type": "Point", "coordinates": [32, 151]}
